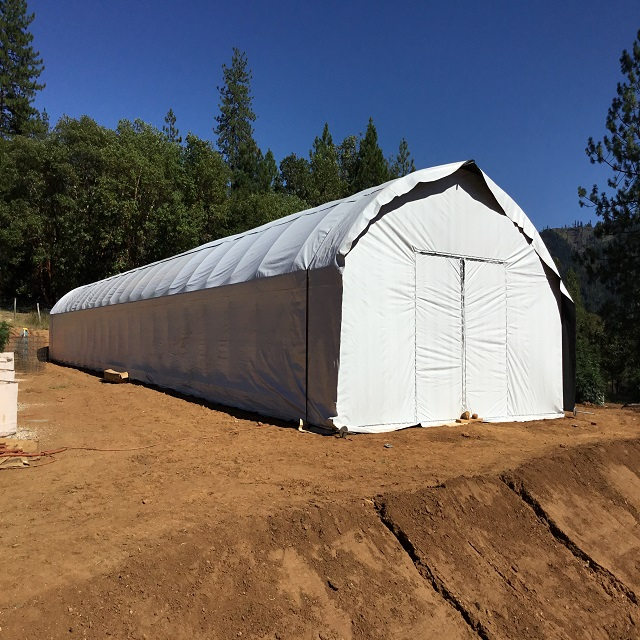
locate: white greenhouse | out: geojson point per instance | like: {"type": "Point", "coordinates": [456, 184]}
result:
{"type": "Point", "coordinates": [404, 304]}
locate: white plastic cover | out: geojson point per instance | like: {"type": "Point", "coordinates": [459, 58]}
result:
{"type": "Point", "coordinates": [439, 334]}
{"type": "Point", "coordinates": [404, 316]}
{"type": "Point", "coordinates": [316, 315]}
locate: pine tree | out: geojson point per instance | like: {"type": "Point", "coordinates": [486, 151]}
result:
{"type": "Point", "coordinates": [372, 168]}
{"type": "Point", "coordinates": [235, 124]}
{"type": "Point", "coordinates": [402, 164]}
{"type": "Point", "coordinates": [326, 184]}
{"type": "Point", "coordinates": [169, 128]}
{"type": "Point", "coordinates": [295, 177]}
{"type": "Point", "coordinates": [348, 162]}
{"type": "Point", "coordinates": [267, 172]}
{"type": "Point", "coordinates": [618, 265]}
{"type": "Point", "coordinates": [20, 68]}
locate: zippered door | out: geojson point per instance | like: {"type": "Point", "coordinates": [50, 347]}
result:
{"type": "Point", "coordinates": [439, 338]}
{"type": "Point", "coordinates": [461, 337]}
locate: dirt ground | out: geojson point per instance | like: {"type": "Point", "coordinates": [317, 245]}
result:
{"type": "Point", "coordinates": [187, 521]}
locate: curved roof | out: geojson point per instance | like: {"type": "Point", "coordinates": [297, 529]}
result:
{"type": "Point", "coordinates": [309, 239]}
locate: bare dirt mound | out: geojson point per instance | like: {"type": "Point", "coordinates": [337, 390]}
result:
{"type": "Point", "coordinates": [488, 553]}
{"type": "Point", "coordinates": [324, 571]}
{"type": "Point", "coordinates": [180, 520]}
{"type": "Point", "coordinates": [591, 495]}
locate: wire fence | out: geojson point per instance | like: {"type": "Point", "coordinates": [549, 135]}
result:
{"type": "Point", "coordinates": [30, 352]}
{"type": "Point", "coordinates": [24, 313]}
{"type": "Point", "coordinates": [28, 340]}
{"type": "Point", "coordinates": [20, 305]}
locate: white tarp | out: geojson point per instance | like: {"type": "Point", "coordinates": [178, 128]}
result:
{"type": "Point", "coordinates": [405, 303]}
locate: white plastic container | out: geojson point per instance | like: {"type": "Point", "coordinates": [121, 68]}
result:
{"type": "Point", "coordinates": [8, 408]}
{"type": "Point", "coordinates": [7, 361]}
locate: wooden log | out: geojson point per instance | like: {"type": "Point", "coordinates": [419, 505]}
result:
{"type": "Point", "coordinates": [116, 377]}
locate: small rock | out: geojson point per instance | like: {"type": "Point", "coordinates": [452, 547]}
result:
{"type": "Point", "coordinates": [464, 434]}
{"type": "Point", "coordinates": [575, 425]}
{"type": "Point", "coordinates": [594, 424]}
{"type": "Point", "coordinates": [474, 416]}
{"type": "Point", "coordinates": [388, 446]}
{"type": "Point", "coordinates": [70, 609]}
{"type": "Point", "coordinates": [465, 416]}
{"type": "Point", "coordinates": [333, 584]}
{"type": "Point", "coordinates": [145, 501]}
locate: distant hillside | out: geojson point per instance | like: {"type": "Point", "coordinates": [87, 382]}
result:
{"type": "Point", "coordinates": [566, 245]}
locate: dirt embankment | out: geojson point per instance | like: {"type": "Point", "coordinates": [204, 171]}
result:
{"type": "Point", "coordinates": [213, 524]}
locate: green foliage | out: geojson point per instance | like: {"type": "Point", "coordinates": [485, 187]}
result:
{"type": "Point", "coordinates": [170, 129]}
{"type": "Point", "coordinates": [4, 334]}
{"type": "Point", "coordinates": [81, 202]}
{"type": "Point", "coordinates": [371, 167]}
{"type": "Point", "coordinates": [253, 210]}
{"type": "Point", "coordinates": [295, 177]}
{"type": "Point", "coordinates": [205, 184]}
{"type": "Point", "coordinates": [348, 162]}
{"type": "Point", "coordinates": [402, 165]}
{"type": "Point", "coordinates": [325, 184]}
{"type": "Point", "coordinates": [267, 172]}
{"type": "Point", "coordinates": [235, 125]}
{"type": "Point", "coordinates": [87, 202]}
{"type": "Point", "coordinates": [569, 247]}
{"type": "Point", "coordinates": [590, 386]}
{"type": "Point", "coordinates": [20, 68]}
{"type": "Point", "coordinates": [617, 264]}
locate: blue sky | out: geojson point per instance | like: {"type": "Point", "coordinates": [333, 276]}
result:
{"type": "Point", "coordinates": [519, 87]}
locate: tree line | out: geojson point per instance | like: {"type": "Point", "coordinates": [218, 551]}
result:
{"type": "Point", "coordinates": [80, 202]}
{"type": "Point", "coordinates": [608, 343]}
